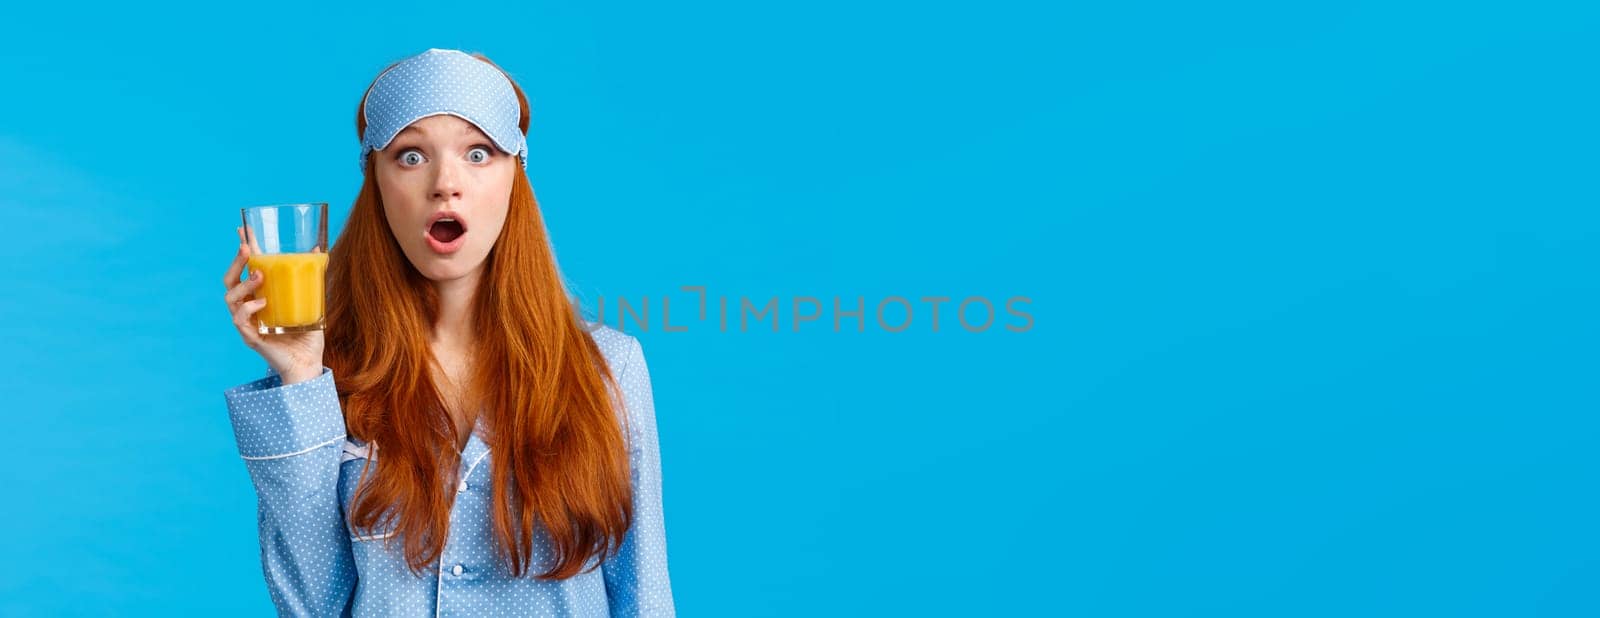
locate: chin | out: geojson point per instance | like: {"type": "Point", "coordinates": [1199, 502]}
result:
{"type": "Point", "coordinates": [439, 271]}
{"type": "Point", "coordinates": [440, 268]}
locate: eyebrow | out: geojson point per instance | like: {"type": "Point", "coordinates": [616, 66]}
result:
{"type": "Point", "coordinates": [464, 130]}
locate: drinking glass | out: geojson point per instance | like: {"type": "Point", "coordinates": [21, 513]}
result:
{"type": "Point", "coordinates": [288, 243]}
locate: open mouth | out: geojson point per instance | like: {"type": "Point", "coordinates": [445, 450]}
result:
{"type": "Point", "coordinates": [446, 230]}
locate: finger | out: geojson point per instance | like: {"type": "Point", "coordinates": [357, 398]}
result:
{"type": "Point", "coordinates": [239, 292]}
{"type": "Point", "coordinates": [244, 320]}
{"type": "Point", "coordinates": [232, 278]}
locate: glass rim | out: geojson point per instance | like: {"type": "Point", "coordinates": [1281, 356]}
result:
{"type": "Point", "coordinates": [282, 205]}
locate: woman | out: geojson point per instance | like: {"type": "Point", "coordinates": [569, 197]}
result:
{"type": "Point", "coordinates": [466, 443]}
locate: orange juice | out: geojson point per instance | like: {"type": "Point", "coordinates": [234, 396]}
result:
{"type": "Point", "coordinates": [293, 289]}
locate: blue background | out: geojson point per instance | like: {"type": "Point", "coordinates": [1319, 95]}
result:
{"type": "Point", "coordinates": [1313, 291]}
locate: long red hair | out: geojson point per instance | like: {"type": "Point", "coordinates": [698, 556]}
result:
{"type": "Point", "coordinates": [554, 430]}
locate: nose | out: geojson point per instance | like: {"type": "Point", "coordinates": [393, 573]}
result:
{"type": "Point", "coordinates": [446, 182]}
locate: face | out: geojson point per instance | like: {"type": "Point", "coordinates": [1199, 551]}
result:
{"type": "Point", "coordinates": [437, 164]}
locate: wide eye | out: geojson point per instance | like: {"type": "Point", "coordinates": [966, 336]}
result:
{"type": "Point", "coordinates": [478, 154]}
{"type": "Point", "coordinates": [409, 158]}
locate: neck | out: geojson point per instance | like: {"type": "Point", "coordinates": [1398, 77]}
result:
{"type": "Point", "coordinates": [453, 330]}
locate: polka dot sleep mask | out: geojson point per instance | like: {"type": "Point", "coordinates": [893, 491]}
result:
{"type": "Point", "coordinates": [443, 81]}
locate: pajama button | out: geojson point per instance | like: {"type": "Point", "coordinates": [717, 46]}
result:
{"type": "Point", "coordinates": [456, 570]}
{"type": "Point", "coordinates": [462, 487]}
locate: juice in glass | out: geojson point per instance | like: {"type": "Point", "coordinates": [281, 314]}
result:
{"type": "Point", "coordinates": [293, 289]}
{"type": "Point", "coordinates": [288, 244]}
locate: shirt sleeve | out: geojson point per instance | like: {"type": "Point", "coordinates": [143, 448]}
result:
{"type": "Point", "coordinates": [636, 577]}
{"type": "Point", "coordinates": [291, 439]}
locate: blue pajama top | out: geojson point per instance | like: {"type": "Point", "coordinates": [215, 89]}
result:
{"type": "Point", "coordinates": [304, 468]}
